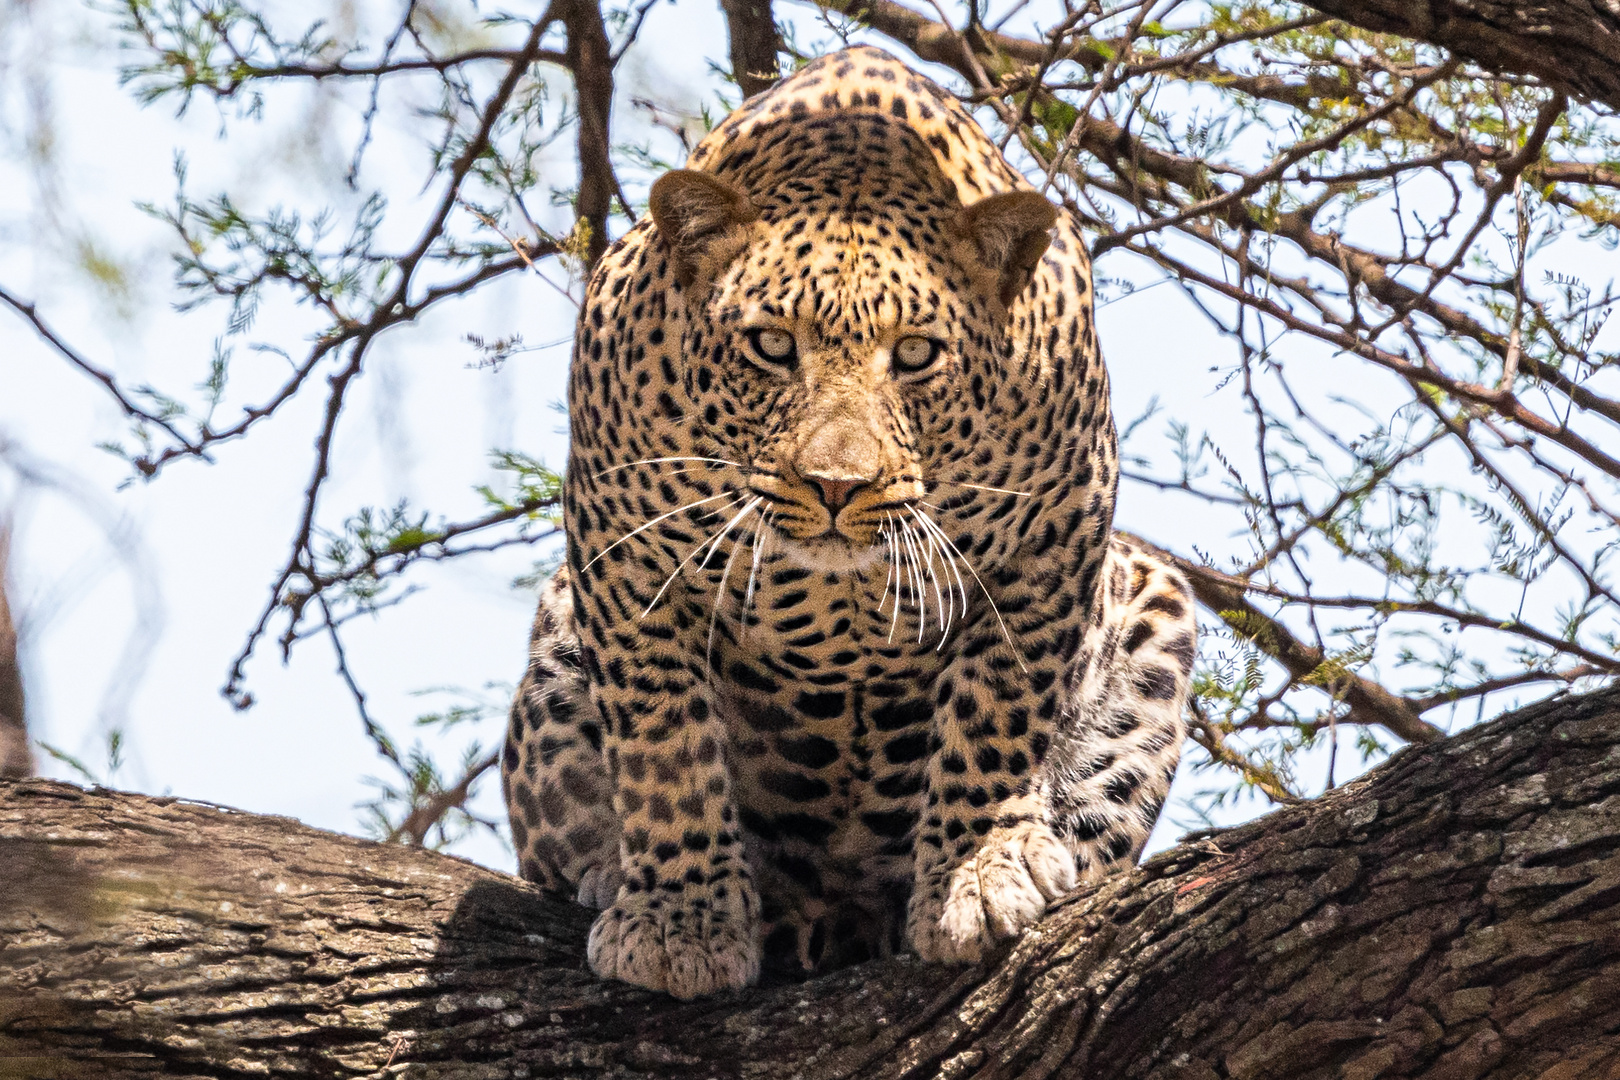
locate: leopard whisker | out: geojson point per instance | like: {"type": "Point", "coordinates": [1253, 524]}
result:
{"type": "Point", "coordinates": [948, 554]}
{"type": "Point", "coordinates": [894, 561]}
{"type": "Point", "coordinates": [939, 599]}
{"type": "Point", "coordinates": [664, 460]}
{"type": "Point", "coordinates": [919, 587]}
{"type": "Point", "coordinates": [682, 564]}
{"type": "Point", "coordinates": [933, 529]}
{"type": "Point", "coordinates": [902, 567]}
{"type": "Point", "coordinates": [928, 522]}
{"type": "Point", "coordinates": [985, 487]}
{"type": "Point", "coordinates": [883, 534]}
{"type": "Point", "coordinates": [744, 512]}
{"type": "Point", "coordinates": [661, 517]}
{"type": "Point", "coordinates": [961, 588]}
{"type": "Point", "coordinates": [753, 572]}
{"type": "Point", "coordinates": [922, 585]}
{"type": "Point", "coordinates": [720, 590]}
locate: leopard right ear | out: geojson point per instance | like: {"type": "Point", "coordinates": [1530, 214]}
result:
{"type": "Point", "coordinates": [704, 219]}
{"type": "Point", "coordinates": [1004, 236]}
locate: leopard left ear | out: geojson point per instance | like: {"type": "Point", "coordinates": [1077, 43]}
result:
{"type": "Point", "coordinates": [1006, 235]}
{"type": "Point", "coordinates": [704, 219]}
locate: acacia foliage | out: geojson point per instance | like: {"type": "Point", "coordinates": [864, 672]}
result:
{"type": "Point", "coordinates": [1423, 487]}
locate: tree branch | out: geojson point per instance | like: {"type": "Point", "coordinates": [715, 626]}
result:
{"type": "Point", "coordinates": [1568, 43]}
{"type": "Point", "coordinates": [16, 760]}
{"type": "Point", "coordinates": [941, 44]}
{"type": "Point", "coordinates": [754, 43]}
{"type": "Point", "coordinates": [244, 73]}
{"type": "Point", "coordinates": [395, 307]}
{"type": "Point", "coordinates": [1369, 703]}
{"type": "Point", "coordinates": [1455, 913]}
{"type": "Point", "coordinates": [72, 356]}
{"type": "Point", "coordinates": [590, 58]}
{"type": "Point", "coordinates": [421, 820]}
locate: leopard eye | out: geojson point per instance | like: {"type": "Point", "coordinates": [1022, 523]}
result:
{"type": "Point", "coordinates": [773, 347]}
{"type": "Point", "coordinates": [915, 355]}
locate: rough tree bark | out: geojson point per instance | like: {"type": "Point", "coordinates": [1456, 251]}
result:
{"type": "Point", "coordinates": [1572, 44]}
{"type": "Point", "coordinates": [1455, 915]}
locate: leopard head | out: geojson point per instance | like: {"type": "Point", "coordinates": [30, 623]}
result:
{"type": "Point", "coordinates": [843, 328]}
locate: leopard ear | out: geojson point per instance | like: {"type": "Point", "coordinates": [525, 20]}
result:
{"type": "Point", "coordinates": [1006, 235]}
{"type": "Point", "coordinates": [703, 218]}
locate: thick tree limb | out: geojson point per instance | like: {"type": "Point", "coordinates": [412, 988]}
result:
{"type": "Point", "coordinates": [1572, 44]}
{"type": "Point", "coordinates": [1454, 914]}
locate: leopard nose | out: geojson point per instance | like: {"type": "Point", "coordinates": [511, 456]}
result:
{"type": "Point", "coordinates": [835, 492]}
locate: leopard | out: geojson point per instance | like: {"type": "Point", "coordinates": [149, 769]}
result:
{"type": "Point", "coordinates": [844, 655]}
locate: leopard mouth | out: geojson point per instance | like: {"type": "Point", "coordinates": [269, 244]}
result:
{"type": "Point", "coordinates": [863, 532]}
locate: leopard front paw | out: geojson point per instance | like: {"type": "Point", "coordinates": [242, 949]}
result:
{"type": "Point", "coordinates": [685, 946]}
{"type": "Point", "coordinates": [996, 894]}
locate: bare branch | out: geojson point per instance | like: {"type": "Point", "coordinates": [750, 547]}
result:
{"type": "Point", "coordinates": [246, 73]}
{"type": "Point", "coordinates": [105, 378]}
{"type": "Point", "coordinates": [397, 305]}
{"type": "Point", "coordinates": [423, 818]}
{"type": "Point", "coordinates": [590, 58]}
{"type": "Point", "coordinates": [1369, 703]}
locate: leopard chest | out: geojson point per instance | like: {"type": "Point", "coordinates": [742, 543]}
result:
{"type": "Point", "coordinates": [827, 700]}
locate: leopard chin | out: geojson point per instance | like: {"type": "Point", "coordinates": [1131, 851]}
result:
{"type": "Point", "coordinates": [832, 552]}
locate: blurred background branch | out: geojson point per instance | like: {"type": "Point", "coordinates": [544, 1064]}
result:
{"type": "Point", "coordinates": [16, 759]}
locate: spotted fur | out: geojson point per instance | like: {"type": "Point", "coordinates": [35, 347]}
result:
{"type": "Point", "coordinates": [844, 649]}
